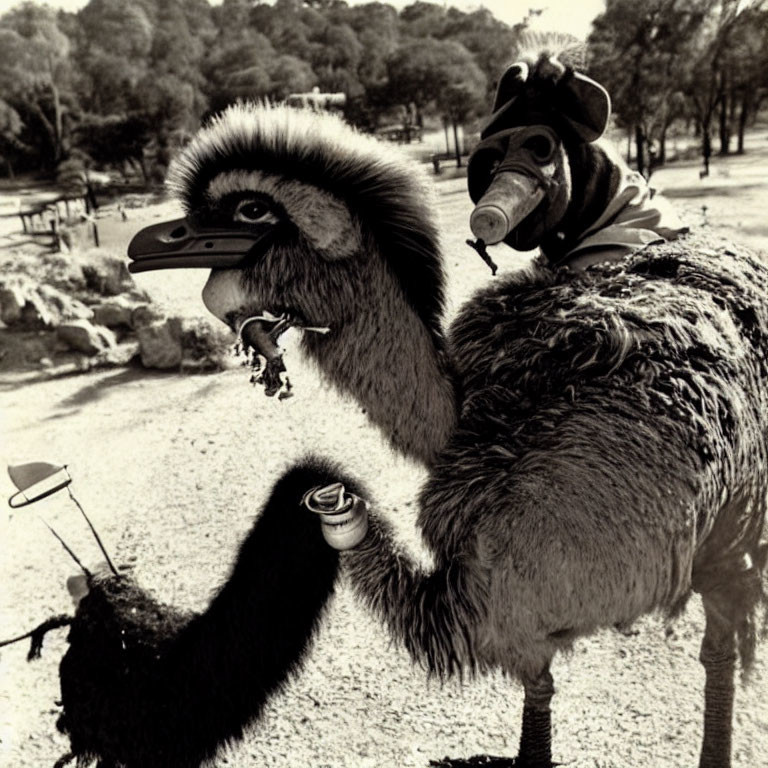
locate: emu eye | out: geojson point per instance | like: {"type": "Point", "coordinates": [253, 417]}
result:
{"type": "Point", "coordinates": [542, 147]}
{"type": "Point", "coordinates": [253, 212]}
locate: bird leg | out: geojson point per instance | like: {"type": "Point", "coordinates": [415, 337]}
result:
{"type": "Point", "coordinates": [718, 655]}
{"type": "Point", "coordinates": [536, 736]}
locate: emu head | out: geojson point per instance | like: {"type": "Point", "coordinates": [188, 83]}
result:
{"type": "Point", "coordinates": [520, 174]}
{"type": "Point", "coordinates": [295, 212]}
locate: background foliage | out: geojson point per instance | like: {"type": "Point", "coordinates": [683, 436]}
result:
{"type": "Point", "coordinates": [122, 83]}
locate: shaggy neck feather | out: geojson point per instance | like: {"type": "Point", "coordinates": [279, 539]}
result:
{"type": "Point", "coordinates": [393, 365]}
{"type": "Point", "coordinates": [434, 614]}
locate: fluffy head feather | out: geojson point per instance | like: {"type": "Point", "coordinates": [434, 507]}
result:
{"type": "Point", "coordinates": [534, 46]}
{"type": "Point", "coordinates": [388, 200]}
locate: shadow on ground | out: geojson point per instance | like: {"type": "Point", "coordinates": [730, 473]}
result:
{"type": "Point", "coordinates": [725, 190]}
{"type": "Point", "coordinates": [101, 388]}
{"type": "Point", "coordinates": [476, 760]}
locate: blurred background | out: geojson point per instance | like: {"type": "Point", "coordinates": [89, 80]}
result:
{"type": "Point", "coordinates": [118, 85]}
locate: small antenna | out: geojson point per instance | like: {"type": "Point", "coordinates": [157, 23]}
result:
{"type": "Point", "coordinates": [69, 551]}
{"type": "Point", "coordinates": [38, 479]}
{"type": "Point", "coordinates": [93, 531]}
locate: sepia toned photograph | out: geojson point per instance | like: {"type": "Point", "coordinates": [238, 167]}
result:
{"type": "Point", "coordinates": [384, 384]}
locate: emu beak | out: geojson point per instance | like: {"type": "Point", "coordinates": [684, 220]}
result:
{"type": "Point", "coordinates": [509, 199]}
{"type": "Point", "coordinates": [182, 243]}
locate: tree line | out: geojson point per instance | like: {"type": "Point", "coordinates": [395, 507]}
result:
{"type": "Point", "coordinates": [123, 83]}
{"type": "Point", "coordinates": [124, 80]}
{"type": "Point", "coordinates": [699, 64]}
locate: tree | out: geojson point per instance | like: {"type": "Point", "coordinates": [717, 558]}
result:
{"type": "Point", "coordinates": [742, 63]}
{"type": "Point", "coordinates": [376, 27]}
{"type": "Point", "coordinates": [35, 78]}
{"type": "Point", "coordinates": [642, 52]}
{"type": "Point", "coordinates": [463, 93]}
{"type": "Point", "coordinates": [112, 53]}
{"type": "Point", "coordinates": [439, 75]}
{"type": "Point", "coordinates": [239, 68]}
{"type": "Point", "coordinates": [490, 41]}
{"type": "Point", "coordinates": [290, 75]}
{"type": "Point", "coordinates": [417, 71]}
{"type": "Point", "coordinates": [423, 20]}
{"type": "Point", "coordinates": [116, 140]}
{"type": "Point", "coordinates": [710, 78]}
{"type": "Point", "coordinates": [10, 132]}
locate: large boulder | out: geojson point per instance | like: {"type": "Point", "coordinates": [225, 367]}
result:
{"type": "Point", "coordinates": [63, 271]}
{"type": "Point", "coordinates": [206, 344]}
{"type": "Point", "coordinates": [77, 234]}
{"type": "Point", "coordinates": [160, 344]}
{"type": "Point", "coordinates": [181, 341]}
{"type": "Point", "coordinates": [83, 336]}
{"type": "Point", "coordinates": [122, 354]}
{"type": "Point", "coordinates": [146, 314]}
{"type": "Point", "coordinates": [116, 312]}
{"type": "Point", "coordinates": [36, 314]}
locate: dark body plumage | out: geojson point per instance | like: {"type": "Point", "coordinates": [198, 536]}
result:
{"type": "Point", "coordinates": [609, 459]}
{"type": "Point", "coordinates": [145, 686]}
{"type": "Point", "coordinates": [615, 406]}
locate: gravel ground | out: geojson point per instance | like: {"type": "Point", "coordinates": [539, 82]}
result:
{"type": "Point", "coordinates": [172, 468]}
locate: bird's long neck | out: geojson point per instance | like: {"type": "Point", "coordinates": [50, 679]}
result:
{"type": "Point", "coordinates": [394, 365]}
{"type": "Point", "coordinates": [259, 627]}
{"type": "Point", "coordinates": [434, 614]}
{"type": "Point", "coordinates": [595, 178]}
{"type": "Point", "coordinates": [177, 689]}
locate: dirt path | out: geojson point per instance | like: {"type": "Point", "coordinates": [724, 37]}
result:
{"type": "Point", "coordinates": [172, 468]}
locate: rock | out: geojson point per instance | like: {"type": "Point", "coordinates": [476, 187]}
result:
{"type": "Point", "coordinates": [206, 344]}
{"type": "Point", "coordinates": [83, 336]}
{"type": "Point", "coordinates": [115, 313]}
{"type": "Point", "coordinates": [146, 314]}
{"type": "Point", "coordinates": [138, 295]}
{"type": "Point", "coordinates": [36, 315]}
{"type": "Point", "coordinates": [56, 269]}
{"type": "Point", "coordinates": [32, 305]}
{"type": "Point", "coordinates": [122, 354]}
{"type": "Point", "coordinates": [20, 349]}
{"type": "Point", "coordinates": [106, 273]}
{"type": "Point", "coordinates": [77, 234]}
{"type": "Point", "coordinates": [63, 305]}
{"type": "Point", "coordinates": [12, 301]}
{"type": "Point", "coordinates": [160, 344]}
